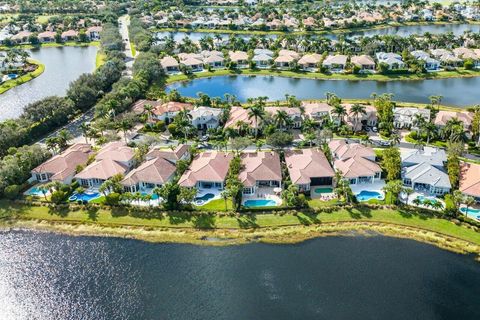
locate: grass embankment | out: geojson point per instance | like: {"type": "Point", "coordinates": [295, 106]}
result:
{"type": "Point", "coordinates": [100, 59]}
{"type": "Point", "coordinates": [53, 45]}
{"type": "Point", "coordinates": [7, 85]}
{"type": "Point", "coordinates": [460, 73]}
{"type": "Point", "coordinates": [229, 229]}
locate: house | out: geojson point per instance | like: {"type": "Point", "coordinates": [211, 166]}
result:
{"type": "Point", "coordinates": [294, 114]}
{"type": "Point", "coordinates": [208, 170]}
{"type": "Point", "coordinates": [423, 170]}
{"type": "Point", "coordinates": [214, 61]}
{"type": "Point", "coordinates": [285, 52]}
{"type": "Point", "coordinates": [336, 63]}
{"type": "Point", "coordinates": [62, 167]}
{"type": "Point", "coordinates": [139, 106]}
{"type": "Point", "coordinates": [181, 152]}
{"type": "Point", "coordinates": [167, 111]}
{"type": "Point", "coordinates": [284, 62]}
{"type": "Point", "coordinates": [194, 64]}
{"type": "Point", "coordinates": [263, 51]}
{"type": "Point", "coordinates": [446, 58]}
{"type": "Point", "coordinates": [113, 159]}
{"type": "Point", "coordinates": [240, 58]}
{"type": "Point", "coordinates": [262, 60]}
{"type": "Point", "coordinates": [309, 168]}
{"type": "Point", "coordinates": [357, 121]}
{"type": "Point", "coordinates": [150, 174]}
{"type": "Point", "coordinates": [443, 117]}
{"type": "Point", "coordinates": [21, 37]}
{"type": "Point", "coordinates": [364, 62]}
{"type": "Point", "coordinates": [170, 64]}
{"type": "Point", "coordinates": [317, 111]}
{"type": "Point", "coordinates": [204, 118]}
{"type": "Point", "coordinates": [405, 118]}
{"type": "Point", "coordinates": [70, 35]}
{"type": "Point", "coordinates": [467, 54]}
{"type": "Point", "coordinates": [429, 63]}
{"type": "Point", "coordinates": [47, 36]}
{"type": "Point", "coordinates": [469, 182]}
{"type": "Point", "coordinates": [309, 62]}
{"type": "Point", "coordinates": [392, 60]}
{"type": "Point", "coordinates": [239, 116]}
{"type": "Point", "coordinates": [260, 170]}
{"type": "Point", "coordinates": [356, 162]}
{"type": "Point", "coordinates": [93, 33]}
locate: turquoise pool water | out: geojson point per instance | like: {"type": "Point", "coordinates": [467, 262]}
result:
{"type": "Point", "coordinates": [471, 212]}
{"type": "Point", "coordinates": [366, 195]}
{"type": "Point", "coordinates": [84, 196]}
{"type": "Point", "coordinates": [323, 190]}
{"type": "Point", "coordinates": [259, 203]}
{"type": "Point", "coordinates": [431, 199]}
{"type": "Point", "coordinates": [154, 196]}
{"type": "Point", "coordinates": [34, 191]}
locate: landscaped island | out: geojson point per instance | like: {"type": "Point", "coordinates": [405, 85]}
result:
{"type": "Point", "coordinates": [31, 70]}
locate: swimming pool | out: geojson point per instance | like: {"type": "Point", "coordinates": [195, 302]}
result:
{"type": "Point", "coordinates": [259, 203]}
{"type": "Point", "coordinates": [471, 212]}
{"type": "Point", "coordinates": [200, 201]}
{"type": "Point", "coordinates": [431, 199]}
{"type": "Point", "coordinates": [35, 191]}
{"type": "Point", "coordinates": [85, 196]}
{"type": "Point", "coordinates": [153, 195]}
{"type": "Point", "coordinates": [366, 195]}
{"type": "Point", "coordinates": [323, 190]}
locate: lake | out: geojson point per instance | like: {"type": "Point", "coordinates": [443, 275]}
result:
{"type": "Point", "coordinates": [48, 276]}
{"type": "Point", "coordinates": [62, 66]}
{"type": "Point", "coordinates": [404, 31]}
{"type": "Point", "coordinates": [455, 91]}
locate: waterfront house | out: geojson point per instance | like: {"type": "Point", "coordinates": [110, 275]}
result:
{"type": "Point", "coordinates": [150, 174]}
{"type": "Point", "coordinates": [294, 114]}
{"type": "Point", "coordinates": [204, 118]}
{"type": "Point", "coordinates": [357, 122]}
{"type": "Point", "coordinates": [423, 171]}
{"type": "Point", "coordinates": [240, 58]}
{"type": "Point", "coordinates": [467, 54]}
{"type": "Point", "coordinates": [356, 162]}
{"type": "Point", "coordinates": [444, 116]}
{"type": "Point", "coordinates": [93, 33]}
{"type": "Point", "coordinates": [309, 168]}
{"type": "Point", "coordinates": [192, 63]}
{"type": "Point", "coordinates": [139, 106]}
{"type": "Point", "coordinates": [21, 37]}
{"type": "Point", "coordinates": [69, 35]}
{"type": "Point", "coordinates": [392, 60]}
{"type": "Point", "coordinates": [404, 118]}
{"type": "Point", "coordinates": [317, 111]}
{"type": "Point", "coordinates": [167, 111]}
{"type": "Point", "coordinates": [446, 57]}
{"type": "Point", "coordinates": [284, 61]}
{"type": "Point", "coordinates": [113, 159]}
{"type": "Point", "coordinates": [309, 62]}
{"type": "Point", "coordinates": [214, 61]}
{"type": "Point", "coordinates": [291, 53]}
{"type": "Point", "coordinates": [336, 63]}
{"type": "Point", "coordinates": [239, 116]}
{"type": "Point", "coordinates": [208, 170]}
{"type": "Point", "coordinates": [62, 167]}
{"type": "Point", "coordinates": [364, 62]}
{"type": "Point", "coordinates": [260, 172]}
{"type": "Point", "coordinates": [263, 51]}
{"type": "Point", "coordinates": [262, 60]}
{"type": "Point", "coordinates": [170, 64]}
{"type": "Point", "coordinates": [429, 63]}
{"type": "Point", "coordinates": [469, 182]}
{"type": "Point", "coordinates": [47, 36]}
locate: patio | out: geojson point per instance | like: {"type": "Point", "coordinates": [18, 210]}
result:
{"type": "Point", "coordinates": [377, 186]}
{"type": "Point", "coordinates": [263, 193]}
{"type": "Point", "coordinates": [205, 195]}
{"type": "Point", "coordinates": [422, 195]}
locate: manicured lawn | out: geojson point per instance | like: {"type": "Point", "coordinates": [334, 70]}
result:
{"type": "Point", "coordinates": [121, 217]}
{"type": "Point", "coordinates": [7, 85]}
{"type": "Point", "coordinates": [317, 75]}
{"type": "Point", "coordinates": [216, 205]}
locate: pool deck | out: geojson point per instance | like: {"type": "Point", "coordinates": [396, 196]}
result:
{"type": "Point", "coordinates": [416, 194]}
{"type": "Point", "coordinates": [377, 186]}
{"type": "Point", "coordinates": [217, 194]}
{"type": "Point", "coordinates": [263, 193]}
{"type": "Point", "coordinates": [471, 215]}
{"type": "Point", "coordinates": [322, 196]}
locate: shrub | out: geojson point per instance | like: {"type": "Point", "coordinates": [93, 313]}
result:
{"type": "Point", "coordinates": [112, 198]}
{"type": "Point", "coordinates": [11, 192]}
{"type": "Point", "coordinates": [58, 196]}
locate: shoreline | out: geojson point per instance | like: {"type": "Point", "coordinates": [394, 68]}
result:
{"type": "Point", "coordinates": [325, 77]}
{"type": "Point", "coordinates": [10, 84]}
{"type": "Point", "coordinates": [52, 45]}
{"type": "Point", "coordinates": [319, 32]}
{"type": "Point", "coordinates": [268, 235]}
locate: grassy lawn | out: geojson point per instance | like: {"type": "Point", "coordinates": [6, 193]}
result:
{"type": "Point", "coordinates": [216, 205]}
{"type": "Point", "coordinates": [100, 59]}
{"type": "Point", "coordinates": [121, 217]}
{"type": "Point", "coordinates": [54, 44]}
{"type": "Point", "coordinates": [43, 18]}
{"type": "Point", "coordinates": [7, 85]}
{"type": "Point", "coordinates": [460, 73]}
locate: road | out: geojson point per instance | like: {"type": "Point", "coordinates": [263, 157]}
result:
{"type": "Point", "coordinates": [123, 23]}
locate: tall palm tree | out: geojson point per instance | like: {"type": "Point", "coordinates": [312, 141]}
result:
{"type": "Point", "coordinates": [63, 137]}
{"type": "Point", "coordinates": [124, 125]}
{"type": "Point", "coordinates": [281, 118]}
{"type": "Point", "coordinates": [256, 111]}
{"type": "Point", "coordinates": [356, 110]}
{"type": "Point", "coordinates": [85, 128]}
{"type": "Point", "coordinates": [148, 110]}
{"type": "Point", "coordinates": [340, 111]}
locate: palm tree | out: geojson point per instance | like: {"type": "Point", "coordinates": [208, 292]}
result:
{"type": "Point", "coordinates": [281, 119]}
{"type": "Point", "coordinates": [256, 111]}
{"type": "Point", "coordinates": [225, 194]}
{"type": "Point", "coordinates": [52, 143]}
{"type": "Point", "coordinates": [468, 201]}
{"type": "Point", "coordinates": [85, 128]}
{"type": "Point", "coordinates": [436, 100]}
{"type": "Point", "coordinates": [63, 137]}
{"type": "Point", "coordinates": [148, 110]}
{"type": "Point", "coordinates": [44, 190]}
{"type": "Point", "coordinates": [429, 128]}
{"type": "Point", "coordinates": [356, 110]}
{"type": "Point", "coordinates": [340, 111]}
{"type": "Point", "coordinates": [124, 125]}
{"type": "Point", "coordinates": [395, 138]}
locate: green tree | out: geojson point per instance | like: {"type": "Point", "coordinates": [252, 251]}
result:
{"type": "Point", "coordinates": [392, 163]}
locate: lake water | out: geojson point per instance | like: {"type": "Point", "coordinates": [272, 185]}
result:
{"type": "Point", "coordinates": [47, 276]}
{"type": "Point", "coordinates": [455, 91]}
{"type": "Point", "coordinates": [404, 31]}
{"type": "Point", "coordinates": [62, 66]}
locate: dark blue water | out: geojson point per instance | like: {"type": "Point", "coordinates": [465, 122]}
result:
{"type": "Point", "coordinates": [47, 276]}
{"type": "Point", "coordinates": [455, 91]}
